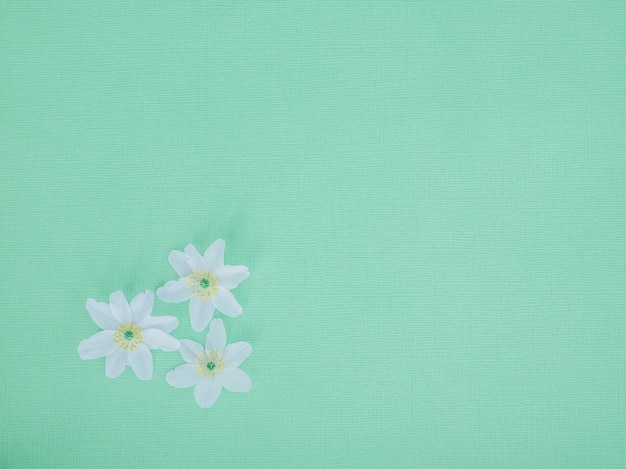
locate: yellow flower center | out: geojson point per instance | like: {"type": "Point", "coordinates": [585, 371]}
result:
{"type": "Point", "coordinates": [209, 363]}
{"type": "Point", "coordinates": [128, 337]}
{"type": "Point", "coordinates": [202, 283]}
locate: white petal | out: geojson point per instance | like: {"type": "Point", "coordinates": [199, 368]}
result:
{"type": "Point", "coordinates": [207, 391]}
{"type": "Point", "coordinates": [194, 259]}
{"type": "Point", "coordinates": [231, 275]}
{"type": "Point", "coordinates": [140, 361]}
{"type": "Point", "coordinates": [165, 323]}
{"type": "Point", "coordinates": [226, 303]}
{"type": "Point", "coordinates": [156, 338]}
{"type": "Point", "coordinates": [214, 255]}
{"type": "Point", "coordinates": [236, 353]}
{"type": "Point", "coordinates": [189, 350]}
{"type": "Point", "coordinates": [174, 291]}
{"type": "Point", "coordinates": [183, 376]}
{"type": "Point", "coordinates": [101, 314]}
{"type": "Point", "coordinates": [141, 306]}
{"type": "Point", "coordinates": [119, 307]}
{"type": "Point", "coordinates": [178, 261]}
{"type": "Point", "coordinates": [216, 337]}
{"type": "Point", "coordinates": [200, 313]}
{"type": "Point", "coordinates": [235, 380]}
{"type": "Point", "coordinates": [115, 363]}
{"type": "Point", "coordinates": [97, 346]}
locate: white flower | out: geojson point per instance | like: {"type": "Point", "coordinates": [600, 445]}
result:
{"type": "Point", "coordinates": [207, 281]}
{"type": "Point", "coordinates": [210, 367]}
{"type": "Point", "coordinates": [129, 332]}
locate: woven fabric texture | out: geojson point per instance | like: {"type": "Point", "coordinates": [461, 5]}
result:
{"type": "Point", "coordinates": [430, 197]}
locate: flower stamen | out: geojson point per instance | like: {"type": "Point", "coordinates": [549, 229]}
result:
{"type": "Point", "coordinates": [128, 337]}
{"type": "Point", "coordinates": [209, 363]}
{"type": "Point", "coordinates": [202, 283]}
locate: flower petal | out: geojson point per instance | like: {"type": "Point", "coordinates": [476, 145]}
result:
{"type": "Point", "coordinates": [207, 391]}
{"type": "Point", "coordinates": [231, 275]}
{"type": "Point", "coordinates": [189, 350]}
{"type": "Point", "coordinates": [194, 259]}
{"type": "Point", "coordinates": [214, 255]}
{"type": "Point", "coordinates": [141, 306]}
{"type": "Point", "coordinates": [183, 376]}
{"type": "Point", "coordinates": [174, 291]}
{"type": "Point", "coordinates": [178, 261]}
{"type": "Point", "coordinates": [97, 346]}
{"type": "Point", "coordinates": [216, 337]}
{"type": "Point", "coordinates": [200, 313]}
{"type": "Point", "coordinates": [236, 353]}
{"type": "Point", "coordinates": [226, 303]}
{"type": "Point", "coordinates": [115, 363]}
{"type": "Point", "coordinates": [165, 323]}
{"type": "Point", "coordinates": [235, 380]}
{"type": "Point", "coordinates": [101, 314]}
{"type": "Point", "coordinates": [140, 361]}
{"type": "Point", "coordinates": [156, 338]}
{"type": "Point", "coordinates": [119, 307]}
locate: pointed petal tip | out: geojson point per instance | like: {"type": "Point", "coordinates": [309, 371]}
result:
{"type": "Point", "coordinates": [174, 291]}
{"type": "Point", "coordinates": [117, 293]}
{"type": "Point", "coordinates": [79, 349]}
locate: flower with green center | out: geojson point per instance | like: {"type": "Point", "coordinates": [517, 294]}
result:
{"type": "Point", "coordinates": [128, 337]}
{"type": "Point", "coordinates": [203, 284]}
{"type": "Point", "coordinates": [206, 282]}
{"type": "Point", "coordinates": [209, 363]}
{"type": "Point", "coordinates": [212, 366]}
{"type": "Point", "coordinates": [129, 332]}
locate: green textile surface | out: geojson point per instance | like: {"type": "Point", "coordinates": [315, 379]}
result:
{"type": "Point", "coordinates": [430, 197]}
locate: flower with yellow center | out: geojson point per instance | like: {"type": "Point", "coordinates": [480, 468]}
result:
{"type": "Point", "coordinates": [128, 333]}
{"type": "Point", "coordinates": [206, 282]}
{"type": "Point", "coordinates": [203, 284]}
{"type": "Point", "coordinates": [128, 337]}
{"type": "Point", "coordinates": [212, 366]}
{"type": "Point", "coordinates": [209, 363]}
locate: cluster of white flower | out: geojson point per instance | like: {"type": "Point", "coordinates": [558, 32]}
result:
{"type": "Point", "coordinates": [129, 330]}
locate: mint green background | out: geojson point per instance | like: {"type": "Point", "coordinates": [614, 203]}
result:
{"type": "Point", "coordinates": [430, 198]}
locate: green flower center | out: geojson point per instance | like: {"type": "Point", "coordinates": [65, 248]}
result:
{"type": "Point", "coordinates": [209, 363]}
{"type": "Point", "coordinates": [202, 283]}
{"type": "Point", "coordinates": [128, 337]}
